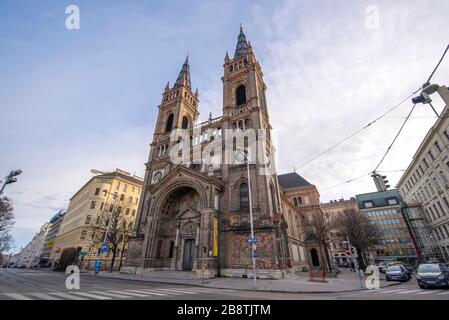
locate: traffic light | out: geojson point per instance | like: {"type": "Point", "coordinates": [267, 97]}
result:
{"type": "Point", "coordinates": [385, 182]}
{"type": "Point", "coordinates": [10, 178]}
{"type": "Point", "coordinates": [381, 182]}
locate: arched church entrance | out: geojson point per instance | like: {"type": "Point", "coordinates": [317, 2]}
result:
{"type": "Point", "coordinates": [314, 256]}
{"type": "Point", "coordinates": [178, 229]}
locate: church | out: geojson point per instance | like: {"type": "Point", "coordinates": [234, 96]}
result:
{"type": "Point", "coordinates": [204, 180]}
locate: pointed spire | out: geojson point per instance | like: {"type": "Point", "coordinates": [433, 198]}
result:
{"type": "Point", "coordinates": [167, 87]}
{"type": "Point", "coordinates": [226, 57]}
{"type": "Point", "coordinates": [184, 74]}
{"type": "Point", "coordinates": [242, 45]}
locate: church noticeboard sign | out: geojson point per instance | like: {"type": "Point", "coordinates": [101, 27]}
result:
{"type": "Point", "coordinates": [215, 248]}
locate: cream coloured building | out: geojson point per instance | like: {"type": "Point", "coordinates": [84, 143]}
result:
{"type": "Point", "coordinates": [426, 179]}
{"type": "Point", "coordinates": [88, 206]}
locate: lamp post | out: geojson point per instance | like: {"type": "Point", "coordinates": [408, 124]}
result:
{"type": "Point", "coordinates": [253, 251]}
{"type": "Point", "coordinates": [97, 270]}
{"type": "Point", "coordinates": [10, 178]}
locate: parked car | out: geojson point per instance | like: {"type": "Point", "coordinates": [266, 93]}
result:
{"type": "Point", "coordinates": [432, 275]}
{"type": "Point", "coordinates": [385, 264]}
{"type": "Point", "coordinates": [397, 272]}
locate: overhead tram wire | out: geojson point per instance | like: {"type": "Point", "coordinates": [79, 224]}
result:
{"type": "Point", "coordinates": [348, 181]}
{"type": "Point", "coordinates": [397, 135]}
{"type": "Point", "coordinates": [358, 131]}
{"type": "Point", "coordinates": [438, 64]}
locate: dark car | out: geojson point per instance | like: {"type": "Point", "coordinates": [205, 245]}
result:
{"type": "Point", "coordinates": [432, 275]}
{"type": "Point", "coordinates": [397, 272]}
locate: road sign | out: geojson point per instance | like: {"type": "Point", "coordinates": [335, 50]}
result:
{"type": "Point", "coordinates": [83, 253]}
{"type": "Point", "coordinates": [254, 253]}
{"type": "Point", "coordinates": [253, 240]}
{"type": "Point", "coordinates": [104, 247]}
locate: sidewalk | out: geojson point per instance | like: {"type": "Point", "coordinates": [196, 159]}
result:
{"type": "Point", "coordinates": [297, 283]}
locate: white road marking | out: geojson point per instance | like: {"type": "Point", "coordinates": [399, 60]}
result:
{"type": "Point", "coordinates": [92, 296]}
{"type": "Point", "coordinates": [147, 292]}
{"type": "Point", "coordinates": [409, 291]}
{"type": "Point", "coordinates": [426, 292]}
{"type": "Point", "coordinates": [43, 296]}
{"type": "Point", "coordinates": [66, 296]}
{"type": "Point", "coordinates": [129, 293]}
{"type": "Point", "coordinates": [115, 295]}
{"type": "Point", "coordinates": [179, 291]}
{"type": "Point", "coordinates": [17, 296]}
{"type": "Point", "coordinates": [444, 292]}
{"type": "Point", "coordinates": [390, 291]}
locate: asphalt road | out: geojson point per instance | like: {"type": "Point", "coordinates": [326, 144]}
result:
{"type": "Point", "coordinates": [22, 284]}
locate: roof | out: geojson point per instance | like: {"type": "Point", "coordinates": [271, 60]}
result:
{"type": "Point", "coordinates": [184, 74]}
{"type": "Point", "coordinates": [379, 199]}
{"type": "Point", "coordinates": [242, 46]}
{"type": "Point", "coordinates": [293, 180]}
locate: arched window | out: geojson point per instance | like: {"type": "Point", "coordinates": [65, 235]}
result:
{"type": "Point", "coordinates": [185, 122]}
{"type": "Point", "coordinates": [240, 95]}
{"type": "Point", "coordinates": [273, 198]}
{"type": "Point", "coordinates": [169, 123]}
{"type": "Point", "coordinates": [244, 196]}
{"type": "Point", "coordinates": [299, 201]}
{"type": "Point", "coordinates": [295, 201]}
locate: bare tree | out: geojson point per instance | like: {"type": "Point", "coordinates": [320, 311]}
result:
{"type": "Point", "coordinates": [118, 216]}
{"type": "Point", "coordinates": [361, 233]}
{"type": "Point", "coordinates": [6, 222]}
{"type": "Point", "coordinates": [317, 228]}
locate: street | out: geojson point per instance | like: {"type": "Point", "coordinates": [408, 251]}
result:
{"type": "Point", "coordinates": [23, 284]}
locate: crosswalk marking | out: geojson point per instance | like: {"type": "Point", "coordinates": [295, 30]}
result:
{"type": "Point", "coordinates": [43, 296]}
{"type": "Point", "coordinates": [93, 296]}
{"type": "Point", "coordinates": [171, 290]}
{"type": "Point", "coordinates": [426, 292]}
{"type": "Point", "coordinates": [129, 293]}
{"type": "Point", "coordinates": [148, 292]}
{"type": "Point", "coordinates": [444, 292]}
{"type": "Point", "coordinates": [390, 291]}
{"type": "Point", "coordinates": [17, 296]}
{"type": "Point", "coordinates": [115, 295]}
{"type": "Point", "coordinates": [409, 291]}
{"type": "Point", "coordinates": [66, 296]}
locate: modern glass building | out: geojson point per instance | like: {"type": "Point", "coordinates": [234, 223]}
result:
{"type": "Point", "coordinates": [384, 210]}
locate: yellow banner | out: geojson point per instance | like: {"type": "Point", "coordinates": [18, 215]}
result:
{"type": "Point", "coordinates": [215, 250]}
{"type": "Point", "coordinates": [50, 244]}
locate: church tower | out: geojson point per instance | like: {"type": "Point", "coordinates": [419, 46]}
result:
{"type": "Point", "coordinates": [245, 115]}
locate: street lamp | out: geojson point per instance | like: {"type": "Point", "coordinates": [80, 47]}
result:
{"type": "Point", "coordinates": [10, 178]}
{"type": "Point", "coordinates": [429, 89]}
{"type": "Point", "coordinates": [98, 263]}
{"type": "Point", "coordinates": [243, 156]}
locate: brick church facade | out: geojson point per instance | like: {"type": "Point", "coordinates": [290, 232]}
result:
{"type": "Point", "coordinates": [194, 210]}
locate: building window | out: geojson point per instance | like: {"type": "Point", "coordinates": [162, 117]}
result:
{"type": "Point", "coordinates": [98, 220]}
{"type": "Point", "coordinates": [133, 213]}
{"type": "Point", "coordinates": [431, 155]}
{"type": "Point", "coordinates": [130, 200]}
{"type": "Point", "coordinates": [101, 206]}
{"type": "Point", "coordinates": [368, 204]}
{"type": "Point", "coordinates": [117, 186]}
{"type": "Point", "coordinates": [83, 234]}
{"type": "Point", "coordinates": [136, 200]}
{"type": "Point", "coordinates": [273, 198]}
{"type": "Point", "coordinates": [295, 201]}
{"type": "Point", "coordinates": [122, 197]}
{"type": "Point", "coordinates": [244, 196]}
{"type": "Point", "coordinates": [169, 125]}
{"type": "Point", "coordinates": [437, 146]}
{"type": "Point", "coordinates": [392, 201]}
{"type": "Point", "coordinates": [127, 211]}
{"type": "Point", "coordinates": [172, 246]}
{"type": "Point", "coordinates": [240, 95]}
{"type": "Point", "coordinates": [92, 204]}
{"type": "Point", "coordinates": [185, 122]}
{"type": "Point", "coordinates": [124, 187]}
{"type": "Point", "coordinates": [97, 191]}
{"type": "Point", "coordinates": [111, 208]}
{"type": "Point", "coordinates": [87, 219]}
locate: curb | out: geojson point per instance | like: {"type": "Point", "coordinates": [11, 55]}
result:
{"type": "Point", "coordinates": [238, 289]}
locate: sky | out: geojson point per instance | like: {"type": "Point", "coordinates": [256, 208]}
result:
{"type": "Point", "coordinates": [74, 100]}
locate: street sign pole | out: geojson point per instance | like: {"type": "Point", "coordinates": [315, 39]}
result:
{"type": "Point", "coordinates": [356, 264]}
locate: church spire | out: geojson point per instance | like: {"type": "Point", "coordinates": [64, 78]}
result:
{"type": "Point", "coordinates": [184, 74]}
{"type": "Point", "coordinates": [242, 46]}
